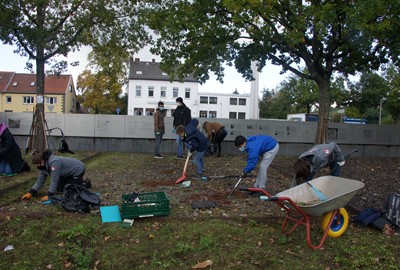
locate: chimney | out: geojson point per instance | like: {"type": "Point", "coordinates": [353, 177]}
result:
{"type": "Point", "coordinates": [137, 59]}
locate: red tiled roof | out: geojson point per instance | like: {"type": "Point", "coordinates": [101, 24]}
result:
{"type": "Point", "coordinates": [26, 83]}
{"type": "Point", "coordinates": [5, 77]}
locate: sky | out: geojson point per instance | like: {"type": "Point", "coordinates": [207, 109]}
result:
{"type": "Point", "coordinates": [268, 78]}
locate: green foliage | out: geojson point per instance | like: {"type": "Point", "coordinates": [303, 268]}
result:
{"type": "Point", "coordinates": [78, 230]}
{"type": "Point", "coordinates": [199, 36]}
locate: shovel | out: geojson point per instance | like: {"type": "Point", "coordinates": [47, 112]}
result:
{"type": "Point", "coordinates": [230, 193]}
{"type": "Point", "coordinates": [321, 196]}
{"type": "Point", "coordinates": [183, 177]}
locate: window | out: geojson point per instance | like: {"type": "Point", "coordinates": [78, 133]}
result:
{"type": "Point", "coordinates": [149, 111]}
{"type": "Point", "coordinates": [15, 84]}
{"type": "Point", "coordinates": [70, 87]}
{"type": "Point", "coordinates": [32, 84]}
{"type": "Point", "coordinates": [138, 111]}
{"type": "Point", "coordinates": [242, 101]}
{"type": "Point", "coordinates": [8, 99]}
{"type": "Point", "coordinates": [151, 91]}
{"type": "Point", "coordinates": [163, 91]}
{"type": "Point", "coordinates": [232, 115]}
{"type": "Point", "coordinates": [187, 92]}
{"type": "Point", "coordinates": [203, 114]}
{"type": "Point", "coordinates": [233, 101]}
{"type": "Point", "coordinates": [212, 114]}
{"type": "Point", "coordinates": [175, 92]}
{"type": "Point", "coordinates": [138, 90]}
{"type": "Point", "coordinates": [139, 72]}
{"type": "Point", "coordinates": [51, 100]}
{"type": "Point", "coordinates": [242, 115]}
{"type": "Point", "coordinates": [203, 100]}
{"type": "Point", "coordinates": [213, 100]}
{"type": "Point", "coordinates": [28, 100]}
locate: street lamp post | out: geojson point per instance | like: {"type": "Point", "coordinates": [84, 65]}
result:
{"type": "Point", "coordinates": [380, 109]}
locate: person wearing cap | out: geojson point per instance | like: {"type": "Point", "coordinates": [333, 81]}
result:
{"type": "Point", "coordinates": [11, 161]}
{"type": "Point", "coordinates": [182, 116]}
{"type": "Point", "coordinates": [216, 133]}
{"type": "Point", "coordinates": [197, 144]}
{"type": "Point", "coordinates": [263, 146]}
{"type": "Point", "coordinates": [318, 157]}
{"type": "Point", "coordinates": [62, 171]}
{"type": "Point", "coordinates": [159, 128]}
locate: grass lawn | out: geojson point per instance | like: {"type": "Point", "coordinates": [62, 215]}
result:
{"type": "Point", "coordinates": [48, 237]}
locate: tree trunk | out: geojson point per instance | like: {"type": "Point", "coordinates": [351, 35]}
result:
{"type": "Point", "coordinates": [39, 128]}
{"type": "Point", "coordinates": [324, 105]}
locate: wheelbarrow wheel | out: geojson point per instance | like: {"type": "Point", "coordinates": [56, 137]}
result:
{"type": "Point", "coordinates": [339, 223]}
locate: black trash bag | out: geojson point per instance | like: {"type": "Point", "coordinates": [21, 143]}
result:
{"type": "Point", "coordinates": [77, 198]}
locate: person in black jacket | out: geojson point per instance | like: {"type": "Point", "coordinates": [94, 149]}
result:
{"type": "Point", "coordinates": [182, 116]}
{"type": "Point", "coordinates": [11, 160]}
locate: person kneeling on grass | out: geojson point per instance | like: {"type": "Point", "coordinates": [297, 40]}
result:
{"type": "Point", "coordinates": [255, 146]}
{"type": "Point", "coordinates": [197, 142]}
{"type": "Point", "coordinates": [62, 171]}
{"type": "Point", "coordinates": [11, 161]}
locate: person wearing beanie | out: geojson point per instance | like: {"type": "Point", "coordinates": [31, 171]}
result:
{"type": "Point", "coordinates": [255, 146]}
{"type": "Point", "coordinates": [196, 142]}
{"type": "Point", "coordinates": [182, 116]}
{"type": "Point", "coordinates": [62, 171]}
{"type": "Point", "coordinates": [159, 128]}
{"type": "Point", "coordinates": [11, 161]}
{"type": "Point", "coordinates": [216, 133]}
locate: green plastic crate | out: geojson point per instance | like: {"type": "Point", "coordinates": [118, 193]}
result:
{"type": "Point", "coordinates": [151, 204]}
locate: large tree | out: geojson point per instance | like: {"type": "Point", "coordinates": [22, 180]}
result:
{"type": "Point", "coordinates": [43, 29]}
{"type": "Point", "coordinates": [102, 88]}
{"type": "Point", "coordinates": [392, 104]}
{"type": "Point", "coordinates": [327, 37]}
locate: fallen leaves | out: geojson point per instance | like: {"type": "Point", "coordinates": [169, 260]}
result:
{"type": "Point", "coordinates": [202, 265]}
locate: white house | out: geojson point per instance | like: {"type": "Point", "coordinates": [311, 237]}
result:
{"type": "Point", "coordinates": [148, 85]}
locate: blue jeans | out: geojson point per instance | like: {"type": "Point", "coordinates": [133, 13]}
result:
{"type": "Point", "coordinates": [157, 143]}
{"type": "Point", "coordinates": [198, 160]}
{"type": "Point", "coordinates": [5, 167]}
{"type": "Point", "coordinates": [335, 171]}
{"type": "Point", "coordinates": [180, 145]}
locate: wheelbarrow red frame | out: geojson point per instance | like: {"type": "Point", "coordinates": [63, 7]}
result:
{"type": "Point", "coordinates": [298, 217]}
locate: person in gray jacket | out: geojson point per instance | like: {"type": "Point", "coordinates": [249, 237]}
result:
{"type": "Point", "coordinates": [317, 158]}
{"type": "Point", "coordinates": [62, 171]}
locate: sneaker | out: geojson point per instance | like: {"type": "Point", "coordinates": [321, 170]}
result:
{"type": "Point", "coordinates": [158, 156]}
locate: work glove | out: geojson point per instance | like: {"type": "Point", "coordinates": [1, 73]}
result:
{"type": "Point", "coordinates": [191, 152]}
{"type": "Point", "coordinates": [157, 133]}
{"type": "Point", "coordinates": [27, 196]}
{"type": "Point", "coordinates": [173, 130]}
{"type": "Point", "coordinates": [44, 198]}
{"type": "Point", "coordinates": [341, 163]}
{"type": "Point", "coordinates": [243, 174]}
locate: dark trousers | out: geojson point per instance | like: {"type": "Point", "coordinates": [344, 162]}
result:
{"type": "Point", "coordinates": [218, 138]}
{"type": "Point", "coordinates": [77, 180]}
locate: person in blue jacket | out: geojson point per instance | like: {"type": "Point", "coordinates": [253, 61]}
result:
{"type": "Point", "coordinates": [255, 146]}
{"type": "Point", "coordinates": [196, 142]}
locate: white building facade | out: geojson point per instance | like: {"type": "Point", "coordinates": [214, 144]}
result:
{"type": "Point", "coordinates": [148, 85]}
